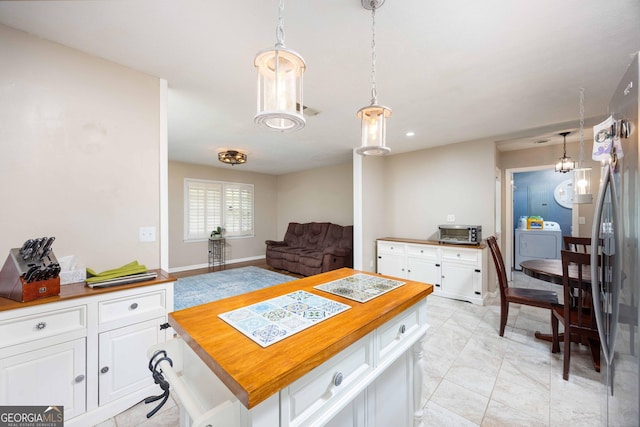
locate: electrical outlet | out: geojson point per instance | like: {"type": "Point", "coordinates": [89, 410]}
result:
{"type": "Point", "coordinates": [147, 234]}
{"type": "Point", "coordinates": [451, 218]}
{"type": "Point", "coordinates": [581, 220]}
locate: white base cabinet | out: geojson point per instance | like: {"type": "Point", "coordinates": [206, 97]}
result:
{"type": "Point", "coordinates": [88, 354]}
{"type": "Point", "coordinates": [458, 272]}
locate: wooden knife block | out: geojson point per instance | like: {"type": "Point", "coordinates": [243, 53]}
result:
{"type": "Point", "coordinates": [14, 287]}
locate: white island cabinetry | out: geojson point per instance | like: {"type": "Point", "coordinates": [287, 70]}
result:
{"type": "Point", "coordinates": [362, 367]}
{"type": "Point", "coordinates": [455, 271]}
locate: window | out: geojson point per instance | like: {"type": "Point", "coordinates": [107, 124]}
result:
{"type": "Point", "coordinates": [212, 204]}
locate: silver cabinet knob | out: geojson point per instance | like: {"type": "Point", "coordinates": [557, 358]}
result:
{"type": "Point", "coordinates": [41, 325]}
{"type": "Point", "coordinates": [337, 379]}
{"type": "Point", "coordinates": [79, 378]}
{"type": "Point", "coordinates": [133, 306]}
{"type": "Point", "coordinates": [402, 329]}
{"type": "Point", "coordinates": [104, 370]}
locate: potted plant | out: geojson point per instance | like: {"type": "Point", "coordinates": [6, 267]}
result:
{"type": "Point", "coordinates": [217, 233]}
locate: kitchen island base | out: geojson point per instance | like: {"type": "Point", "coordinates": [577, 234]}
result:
{"type": "Point", "coordinates": [376, 381]}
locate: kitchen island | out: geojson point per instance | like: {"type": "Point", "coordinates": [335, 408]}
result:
{"type": "Point", "coordinates": [362, 366]}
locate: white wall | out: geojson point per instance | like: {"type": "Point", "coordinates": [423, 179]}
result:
{"type": "Point", "coordinates": [315, 195]}
{"type": "Point", "coordinates": [375, 223]}
{"type": "Point", "coordinates": [79, 152]}
{"type": "Point", "coordinates": [427, 185]}
{"type": "Point", "coordinates": [194, 254]}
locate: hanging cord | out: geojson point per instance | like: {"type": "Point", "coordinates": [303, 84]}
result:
{"type": "Point", "coordinates": [581, 126]}
{"type": "Point", "coordinates": [374, 91]}
{"type": "Point", "coordinates": [280, 27]}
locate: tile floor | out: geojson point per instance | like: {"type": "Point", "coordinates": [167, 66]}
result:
{"type": "Point", "coordinates": [476, 378]}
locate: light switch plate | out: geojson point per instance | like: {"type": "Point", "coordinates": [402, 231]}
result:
{"type": "Point", "coordinates": [147, 234]}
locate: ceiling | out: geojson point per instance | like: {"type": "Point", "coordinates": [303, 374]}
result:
{"type": "Point", "coordinates": [451, 71]}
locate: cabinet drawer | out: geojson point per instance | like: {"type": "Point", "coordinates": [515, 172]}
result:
{"type": "Point", "coordinates": [422, 251]}
{"type": "Point", "coordinates": [391, 248]}
{"type": "Point", "coordinates": [326, 383]}
{"type": "Point", "coordinates": [468, 255]}
{"type": "Point", "coordinates": [139, 307]}
{"type": "Point", "coordinates": [390, 335]}
{"type": "Point", "coordinates": [38, 326]}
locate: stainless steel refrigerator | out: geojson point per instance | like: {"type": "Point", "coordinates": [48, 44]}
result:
{"type": "Point", "coordinates": [616, 221]}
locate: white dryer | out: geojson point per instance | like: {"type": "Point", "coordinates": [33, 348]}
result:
{"type": "Point", "coordinates": [538, 244]}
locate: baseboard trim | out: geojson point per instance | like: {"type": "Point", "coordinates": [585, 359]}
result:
{"type": "Point", "coordinates": [206, 265]}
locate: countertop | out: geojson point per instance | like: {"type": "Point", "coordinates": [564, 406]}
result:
{"type": "Point", "coordinates": [482, 244]}
{"type": "Point", "coordinates": [79, 289]}
{"type": "Point", "coordinates": [254, 373]}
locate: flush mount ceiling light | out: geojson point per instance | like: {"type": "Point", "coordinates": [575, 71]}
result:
{"type": "Point", "coordinates": [280, 73]}
{"type": "Point", "coordinates": [373, 118]}
{"type": "Point", "coordinates": [232, 157]}
{"type": "Point", "coordinates": [565, 164]}
{"type": "Point", "coordinates": [582, 175]}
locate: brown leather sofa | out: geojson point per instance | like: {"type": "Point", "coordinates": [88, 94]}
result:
{"type": "Point", "coordinates": [312, 248]}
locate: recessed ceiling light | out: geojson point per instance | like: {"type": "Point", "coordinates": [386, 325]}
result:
{"type": "Point", "coordinates": [410, 133]}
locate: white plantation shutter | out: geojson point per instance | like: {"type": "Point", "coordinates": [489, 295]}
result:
{"type": "Point", "coordinates": [211, 204]}
{"type": "Point", "coordinates": [238, 209]}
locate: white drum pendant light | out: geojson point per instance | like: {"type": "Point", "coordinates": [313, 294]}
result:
{"type": "Point", "coordinates": [582, 176]}
{"type": "Point", "coordinates": [280, 73]}
{"type": "Point", "coordinates": [373, 118]}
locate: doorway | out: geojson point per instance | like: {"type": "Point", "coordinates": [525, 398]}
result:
{"type": "Point", "coordinates": [541, 192]}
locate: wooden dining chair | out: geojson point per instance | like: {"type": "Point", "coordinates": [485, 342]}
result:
{"type": "Point", "coordinates": [578, 244]}
{"type": "Point", "coordinates": [525, 296]}
{"type": "Point", "coordinates": [576, 313]}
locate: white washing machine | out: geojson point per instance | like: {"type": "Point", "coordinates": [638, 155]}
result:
{"type": "Point", "coordinates": [538, 244]}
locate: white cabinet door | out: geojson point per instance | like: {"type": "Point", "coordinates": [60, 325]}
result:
{"type": "Point", "coordinates": [458, 279]}
{"type": "Point", "coordinates": [391, 396]}
{"type": "Point", "coordinates": [392, 265]}
{"type": "Point", "coordinates": [423, 270]}
{"type": "Point", "coordinates": [392, 259]}
{"type": "Point", "coordinates": [50, 376]}
{"type": "Point", "coordinates": [123, 361]}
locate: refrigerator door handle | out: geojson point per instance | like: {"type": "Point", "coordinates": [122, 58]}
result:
{"type": "Point", "coordinates": [607, 342]}
{"type": "Point", "coordinates": [595, 280]}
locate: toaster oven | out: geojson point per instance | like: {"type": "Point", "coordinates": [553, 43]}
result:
{"type": "Point", "coordinates": [460, 234]}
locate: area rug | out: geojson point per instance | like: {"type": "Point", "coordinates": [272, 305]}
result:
{"type": "Point", "coordinates": [203, 288]}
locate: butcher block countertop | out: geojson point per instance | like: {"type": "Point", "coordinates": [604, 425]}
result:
{"type": "Point", "coordinates": [254, 373]}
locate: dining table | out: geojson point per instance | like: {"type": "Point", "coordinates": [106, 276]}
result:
{"type": "Point", "coordinates": [550, 270]}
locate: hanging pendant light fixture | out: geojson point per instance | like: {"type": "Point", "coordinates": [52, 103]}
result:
{"type": "Point", "coordinates": [280, 72]}
{"type": "Point", "coordinates": [565, 164]}
{"type": "Point", "coordinates": [373, 118]}
{"type": "Point", "coordinates": [582, 175]}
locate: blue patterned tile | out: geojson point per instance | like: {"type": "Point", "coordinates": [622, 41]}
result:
{"type": "Point", "coordinates": [270, 321]}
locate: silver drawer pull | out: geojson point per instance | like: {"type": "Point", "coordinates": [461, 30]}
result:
{"type": "Point", "coordinates": [41, 325]}
{"type": "Point", "coordinates": [79, 378]}
{"type": "Point", "coordinates": [104, 370]}
{"type": "Point", "coordinates": [337, 379]}
{"type": "Point", "coordinates": [403, 329]}
{"type": "Point", "coordinates": [133, 306]}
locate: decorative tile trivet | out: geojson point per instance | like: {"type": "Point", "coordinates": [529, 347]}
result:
{"type": "Point", "coordinates": [275, 319]}
{"type": "Point", "coordinates": [360, 287]}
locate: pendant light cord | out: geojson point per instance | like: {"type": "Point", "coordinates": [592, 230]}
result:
{"type": "Point", "coordinates": [280, 27]}
{"type": "Point", "coordinates": [581, 126]}
{"type": "Point", "coordinates": [374, 91]}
